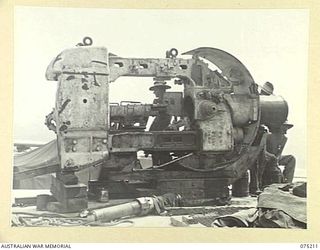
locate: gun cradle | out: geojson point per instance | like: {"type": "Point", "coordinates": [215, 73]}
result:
{"type": "Point", "coordinates": [202, 139]}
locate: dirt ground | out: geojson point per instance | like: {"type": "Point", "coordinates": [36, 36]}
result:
{"type": "Point", "coordinates": [174, 217]}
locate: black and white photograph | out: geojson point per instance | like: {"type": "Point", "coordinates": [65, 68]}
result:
{"type": "Point", "coordinates": [159, 118]}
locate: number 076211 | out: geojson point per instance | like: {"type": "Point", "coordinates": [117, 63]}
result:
{"type": "Point", "coordinates": [309, 246]}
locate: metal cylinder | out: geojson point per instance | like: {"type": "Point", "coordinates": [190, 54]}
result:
{"type": "Point", "coordinates": [42, 201]}
{"type": "Point", "coordinates": [103, 195]}
{"type": "Point", "coordinates": [141, 206]}
{"type": "Point", "coordinates": [274, 111]}
{"type": "Point", "coordinates": [116, 212]}
{"type": "Point", "coordinates": [207, 108]}
{"type": "Point", "coordinates": [130, 110]}
{"type": "Point", "coordinates": [240, 188]}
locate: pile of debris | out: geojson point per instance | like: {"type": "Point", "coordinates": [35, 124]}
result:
{"type": "Point", "coordinates": [278, 206]}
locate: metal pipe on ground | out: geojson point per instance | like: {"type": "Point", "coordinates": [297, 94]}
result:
{"type": "Point", "coordinates": [140, 206]}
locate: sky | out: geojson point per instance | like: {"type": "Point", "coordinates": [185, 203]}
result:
{"type": "Point", "coordinates": [272, 44]}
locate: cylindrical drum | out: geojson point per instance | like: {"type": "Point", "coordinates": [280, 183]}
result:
{"type": "Point", "coordinates": [240, 188]}
{"type": "Point", "coordinates": [116, 212]}
{"type": "Point", "coordinates": [42, 201]}
{"type": "Point", "coordinates": [103, 195]}
{"type": "Point", "coordinates": [274, 111]}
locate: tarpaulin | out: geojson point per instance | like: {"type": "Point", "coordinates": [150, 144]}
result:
{"type": "Point", "coordinates": [244, 218]}
{"type": "Point", "coordinates": [46, 155]}
{"type": "Point", "coordinates": [41, 157]}
{"type": "Point", "coordinates": [274, 198]}
{"type": "Point", "coordinates": [276, 209]}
